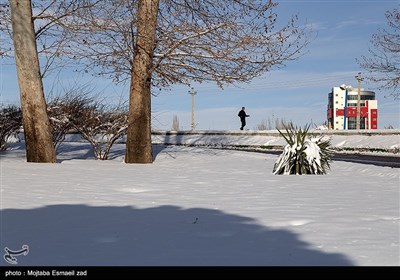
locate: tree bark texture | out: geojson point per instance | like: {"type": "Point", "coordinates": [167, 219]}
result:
{"type": "Point", "coordinates": [38, 140]}
{"type": "Point", "coordinates": [138, 143]}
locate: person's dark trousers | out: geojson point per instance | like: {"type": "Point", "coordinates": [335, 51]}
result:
{"type": "Point", "coordinates": [243, 123]}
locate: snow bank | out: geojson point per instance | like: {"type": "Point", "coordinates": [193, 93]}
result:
{"type": "Point", "coordinates": [378, 141]}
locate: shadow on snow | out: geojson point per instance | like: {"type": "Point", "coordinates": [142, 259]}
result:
{"type": "Point", "coordinates": [165, 235]}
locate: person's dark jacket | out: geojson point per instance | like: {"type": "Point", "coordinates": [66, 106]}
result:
{"type": "Point", "coordinates": [242, 114]}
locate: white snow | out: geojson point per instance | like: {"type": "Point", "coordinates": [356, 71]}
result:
{"type": "Point", "coordinates": [378, 139]}
{"type": "Point", "coordinates": [196, 206]}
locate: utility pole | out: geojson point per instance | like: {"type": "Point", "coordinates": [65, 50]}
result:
{"type": "Point", "coordinates": [358, 118]}
{"type": "Point", "coordinates": [193, 93]}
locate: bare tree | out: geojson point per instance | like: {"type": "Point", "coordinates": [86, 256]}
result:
{"type": "Point", "coordinates": [101, 126]}
{"type": "Point", "coordinates": [10, 123]}
{"type": "Point", "coordinates": [282, 123]}
{"type": "Point", "coordinates": [383, 64]}
{"type": "Point", "coordinates": [138, 141]}
{"type": "Point", "coordinates": [46, 39]}
{"type": "Point", "coordinates": [5, 30]}
{"type": "Point", "coordinates": [63, 110]}
{"type": "Point", "coordinates": [163, 42]}
{"type": "Point", "coordinates": [264, 125]}
{"type": "Point", "coordinates": [175, 123]}
{"type": "Point", "coordinates": [39, 147]}
{"type": "Point", "coordinates": [269, 124]}
{"type": "Point", "coordinates": [51, 20]}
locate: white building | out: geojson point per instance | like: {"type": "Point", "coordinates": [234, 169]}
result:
{"type": "Point", "coordinates": [342, 109]}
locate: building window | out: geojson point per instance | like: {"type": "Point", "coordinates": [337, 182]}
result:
{"type": "Point", "coordinates": [367, 97]}
{"type": "Point", "coordinates": [351, 123]}
{"type": "Point", "coordinates": [355, 104]}
{"type": "Point", "coordinates": [362, 123]}
{"type": "Point", "coordinates": [362, 97]}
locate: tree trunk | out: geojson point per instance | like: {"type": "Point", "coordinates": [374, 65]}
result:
{"type": "Point", "coordinates": [39, 145]}
{"type": "Point", "coordinates": [138, 143]}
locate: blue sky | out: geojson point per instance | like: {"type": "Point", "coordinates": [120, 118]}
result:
{"type": "Point", "coordinates": [297, 92]}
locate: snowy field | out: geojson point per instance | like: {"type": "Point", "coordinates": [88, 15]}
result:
{"type": "Point", "coordinates": [196, 206]}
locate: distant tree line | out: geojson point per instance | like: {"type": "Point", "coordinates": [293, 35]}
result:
{"type": "Point", "coordinates": [271, 123]}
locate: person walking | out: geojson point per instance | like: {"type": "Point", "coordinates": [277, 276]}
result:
{"type": "Point", "coordinates": [242, 115]}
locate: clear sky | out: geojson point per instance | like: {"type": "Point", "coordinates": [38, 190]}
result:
{"type": "Point", "coordinates": [343, 30]}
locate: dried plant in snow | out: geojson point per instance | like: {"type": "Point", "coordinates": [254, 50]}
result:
{"type": "Point", "coordinates": [62, 110]}
{"type": "Point", "coordinates": [101, 126]}
{"type": "Point", "coordinates": [10, 123]}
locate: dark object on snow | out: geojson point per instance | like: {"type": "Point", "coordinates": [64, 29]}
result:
{"type": "Point", "coordinates": [242, 115]}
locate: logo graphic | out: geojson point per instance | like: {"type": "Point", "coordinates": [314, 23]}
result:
{"type": "Point", "coordinates": [9, 255]}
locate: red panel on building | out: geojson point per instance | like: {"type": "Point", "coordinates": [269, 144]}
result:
{"type": "Point", "coordinates": [364, 112]}
{"type": "Point", "coordinates": [374, 119]}
{"type": "Point", "coordinates": [351, 112]}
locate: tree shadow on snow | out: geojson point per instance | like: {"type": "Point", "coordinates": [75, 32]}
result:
{"type": "Point", "coordinates": [82, 151]}
{"type": "Point", "coordinates": [118, 151]}
{"type": "Point", "coordinates": [68, 151]}
{"type": "Point", "coordinates": [161, 236]}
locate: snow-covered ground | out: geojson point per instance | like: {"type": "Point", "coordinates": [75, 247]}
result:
{"type": "Point", "coordinates": [373, 141]}
{"type": "Point", "coordinates": [195, 206]}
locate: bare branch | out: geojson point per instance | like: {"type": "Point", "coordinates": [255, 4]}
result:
{"type": "Point", "coordinates": [10, 123]}
{"type": "Point", "coordinates": [218, 41]}
{"type": "Point", "coordinates": [383, 63]}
